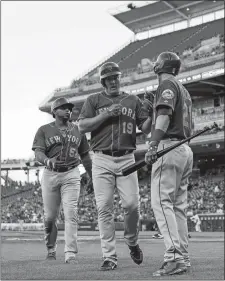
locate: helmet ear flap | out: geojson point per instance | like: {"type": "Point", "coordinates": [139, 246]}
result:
{"type": "Point", "coordinates": [103, 82]}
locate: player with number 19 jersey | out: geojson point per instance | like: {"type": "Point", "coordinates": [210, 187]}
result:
{"type": "Point", "coordinates": [116, 133]}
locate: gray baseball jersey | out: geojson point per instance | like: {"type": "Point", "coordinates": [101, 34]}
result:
{"type": "Point", "coordinates": [116, 133]}
{"type": "Point", "coordinates": [68, 145]}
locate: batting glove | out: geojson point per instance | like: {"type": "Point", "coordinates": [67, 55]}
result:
{"type": "Point", "coordinates": [151, 155]}
{"type": "Point", "coordinates": [148, 102]}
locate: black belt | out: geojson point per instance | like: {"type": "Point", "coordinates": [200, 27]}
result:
{"type": "Point", "coordinates": [114, 153]}
{"type": "Point", "coordinates": [62, 169]}
{"type": "Point", "coordinates": [174, 138]}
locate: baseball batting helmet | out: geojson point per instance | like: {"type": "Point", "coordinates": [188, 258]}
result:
{"type": "Point", "coordinates": [108, 69]}
{"type": "Point", "coordinates": [167, 62]}
{"type": "Point", "coordinates": [59, 102]}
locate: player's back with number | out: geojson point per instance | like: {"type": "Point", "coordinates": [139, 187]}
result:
{"type": "Point", "coordinates": [173, 94]}
{"type": "Point", "coordinates": [184, 108]}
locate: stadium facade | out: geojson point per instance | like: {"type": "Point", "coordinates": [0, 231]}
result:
{"type": "Point", "coordinates": [194, 30]}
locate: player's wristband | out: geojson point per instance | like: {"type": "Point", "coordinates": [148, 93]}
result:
{"type": "Point", "coordinates": [157, 135]}
{"type": "Point", "coordinates": [153, 145]}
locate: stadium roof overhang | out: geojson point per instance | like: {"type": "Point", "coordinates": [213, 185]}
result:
{"type": "Point", "coordinates": [157, 14]}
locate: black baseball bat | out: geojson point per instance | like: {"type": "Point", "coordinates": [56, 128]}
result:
{"type": "Point", "coordinates": [141, 163]}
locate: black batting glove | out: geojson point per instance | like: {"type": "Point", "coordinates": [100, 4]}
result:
{"type": "Point", "coordinates": [148, 102]}
{"type": "Point", "coordinates": [151, 155]}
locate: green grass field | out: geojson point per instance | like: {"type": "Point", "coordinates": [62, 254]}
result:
{"type": "Point", "coordinates": [25, 260]}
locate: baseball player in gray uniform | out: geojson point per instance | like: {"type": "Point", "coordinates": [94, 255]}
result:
{"type": "Point", "coordinates": [172, 122]}
{"type": "Point", "coordinates": [111, 116]}
{"type": "Point", "coordinates": [59, 146]}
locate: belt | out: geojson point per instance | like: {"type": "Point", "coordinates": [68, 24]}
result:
{"type": "Point", "coordinates": [173, 139]}
{"type": "Point", "coordinates": [62, 169]}
{"type": "Point", "coordinates": [114, 153]}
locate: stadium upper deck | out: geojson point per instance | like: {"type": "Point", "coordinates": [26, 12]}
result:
{"type": "Point", "coordinates": [136, 58]}
{"type": "Point", "coordinates": [141, 17]}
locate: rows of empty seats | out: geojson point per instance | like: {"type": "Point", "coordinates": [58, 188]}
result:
{"type": "Point", "coordinates": [177, 41]}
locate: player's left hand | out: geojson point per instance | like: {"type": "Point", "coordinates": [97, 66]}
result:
{"type": "Point", "coordinates": [148, 101]}
{"type": "Point", "coordinates": [89, 187]}
{"type": "Point", "coordinates": [151, 155]}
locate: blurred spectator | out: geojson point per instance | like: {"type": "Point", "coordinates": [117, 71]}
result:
{"type": "Point", "coordinates": [25, 203]}
{"type": "Point", "coordinates": [197, 222]}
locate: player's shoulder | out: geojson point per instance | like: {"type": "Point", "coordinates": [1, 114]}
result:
{"type": "Point", "coordinates": [126, 94]}
{"type": "Point", "coordinates": [130, 96]}
{"type": "Point", "coordinates": [46, 127]}
{"type": "Point", "coordinates": [94, 97]}
{"type": "Point", "coordinates": [168, 88]}
{"type": "Point", "coordinates": [169, 83]}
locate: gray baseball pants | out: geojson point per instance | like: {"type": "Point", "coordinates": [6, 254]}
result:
{"type": "Point", "coordinates": [56, 188]}
{"type": "Point", "coordinates": [106, 178]}
{"type": "Point", "coordinates": [169, 181]}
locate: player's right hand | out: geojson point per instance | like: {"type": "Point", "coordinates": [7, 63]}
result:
{"type": "Point", "coordinates": [115, 110]}
{"type": "Point", "coordinates": [52, 163]}
{"type": "Point", "coordinates": [151, 155]}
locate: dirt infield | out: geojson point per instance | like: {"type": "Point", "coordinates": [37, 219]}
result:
{"type": "Point", "coordinates": [25, 260]}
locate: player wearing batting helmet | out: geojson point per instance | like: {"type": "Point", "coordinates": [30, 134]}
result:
{"type": "Point", "coordinates": [59, 146]}
{"type": "Point", "coordinates": [111, 116]}
{"type": "Point", "coordinates": [172, 122]}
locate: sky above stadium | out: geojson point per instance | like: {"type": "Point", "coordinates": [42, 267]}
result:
{"type": "Point", "coordinates": [45, 45]}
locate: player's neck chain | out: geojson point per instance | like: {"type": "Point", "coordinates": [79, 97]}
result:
{"type": "Point", "coordinates": [64, 130]}
{"type": "Point", "coordinates": [67, 127]}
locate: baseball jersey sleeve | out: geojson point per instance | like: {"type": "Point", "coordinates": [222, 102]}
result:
{"type": "Point", "coordinates": [166, 95]}
{"type": "Point", "coordinates": [88, 109]}
{"type": "Point", "coordinates": [84, 146]}
{"type": "Point", "coordinates": [39, 140]}
{"type": "Point", "coordinates": [141, 113]}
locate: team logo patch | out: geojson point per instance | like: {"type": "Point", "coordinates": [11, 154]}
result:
{"type": "Point", "coordinates": [167, 94]}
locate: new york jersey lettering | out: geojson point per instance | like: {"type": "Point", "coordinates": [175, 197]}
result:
{"type": "Point", "coordinates": [67, 145]}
